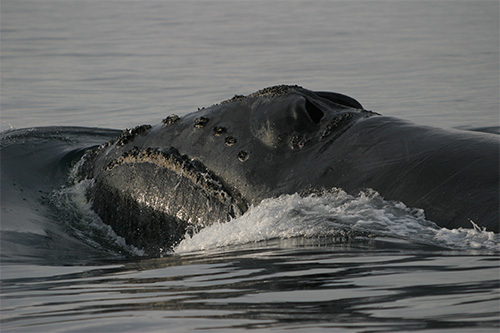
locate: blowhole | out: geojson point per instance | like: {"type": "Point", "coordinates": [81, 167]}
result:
{"type": "Point", "coordinates": [314, 112]}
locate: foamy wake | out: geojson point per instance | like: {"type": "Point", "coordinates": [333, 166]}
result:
{"type": "Point", "coordinates": [331, 214]}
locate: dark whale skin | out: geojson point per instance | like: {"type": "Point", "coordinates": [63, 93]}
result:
{"type": "Point", "coordinates": [154, 183]}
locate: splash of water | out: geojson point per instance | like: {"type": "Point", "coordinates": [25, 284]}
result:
{"type": "Point", "coordinates": [331, 214]}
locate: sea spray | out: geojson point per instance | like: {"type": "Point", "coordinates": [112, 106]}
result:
{"type": "Point", "coordinates": [335, 213]}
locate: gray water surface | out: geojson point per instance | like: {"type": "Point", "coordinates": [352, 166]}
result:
{"type": "Point", "coordinates": [339, 288]}
{"type": "Point", "coordinates": [117, 64]}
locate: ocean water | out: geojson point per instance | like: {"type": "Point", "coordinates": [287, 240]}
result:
{"type": "Point", "coordinates": [337, 262]}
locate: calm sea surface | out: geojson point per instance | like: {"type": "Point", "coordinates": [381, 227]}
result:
{"type": "Point", "coordinates": [118, 64]}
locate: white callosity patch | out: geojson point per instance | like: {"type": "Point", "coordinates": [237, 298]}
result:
{"type": "Point", "coordinates": [335, 213]}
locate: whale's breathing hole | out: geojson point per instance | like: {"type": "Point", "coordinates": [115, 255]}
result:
{"type": "Point", "coordinates": [314, 112]}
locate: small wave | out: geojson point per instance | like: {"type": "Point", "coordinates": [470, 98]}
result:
{"type": "Point", "coordinates": [76, 212]}
{"type": "Point", "coordinates": [332, 214]}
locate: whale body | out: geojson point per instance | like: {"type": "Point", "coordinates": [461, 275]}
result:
{"type": "Point", "coordinates": [153, 184]}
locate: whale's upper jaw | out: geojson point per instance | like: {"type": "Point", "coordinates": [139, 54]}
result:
{"type": "Point", "coordinates": [283, 120]}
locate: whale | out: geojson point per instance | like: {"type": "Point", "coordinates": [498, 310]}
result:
{"type": "Point", "coordinates": [154, 184]}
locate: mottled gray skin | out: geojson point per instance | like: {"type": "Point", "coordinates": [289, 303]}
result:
{"type": "Point", "coordinates": [285, 139]}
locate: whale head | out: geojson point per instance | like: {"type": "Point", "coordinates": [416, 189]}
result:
{"type": "Point", "coordinates": [153, 184]}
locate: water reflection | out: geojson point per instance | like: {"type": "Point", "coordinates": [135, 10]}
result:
{"type": "Point", "coordinates": [351, 286]}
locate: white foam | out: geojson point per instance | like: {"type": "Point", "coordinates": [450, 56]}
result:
{"type": "Point", "coordinates": [330, 214]}
{"type": "Point", "coordinates": [474, 238]}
